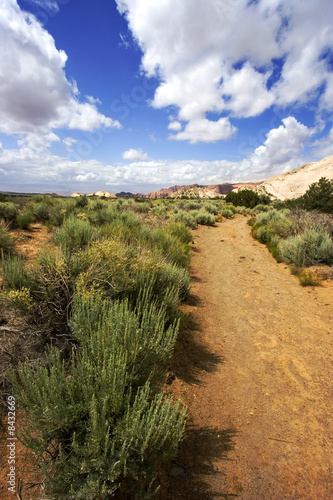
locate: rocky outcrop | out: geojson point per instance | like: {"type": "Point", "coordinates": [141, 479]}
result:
{"type": "Point", "coordinates": [296, 182]}
{"type": "Point", "coordinates": [104, 194]}
{"type": "Point", "coordinates": [217, 188]}
{"type": "Point", "coordinates": [196, 192]}
{"type": "Point", "coordinates": [162, 193]}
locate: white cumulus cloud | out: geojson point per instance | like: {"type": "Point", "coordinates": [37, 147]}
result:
{"type": "Point", "coordinates": [134, 155]}
{"type": "Point", "coordinates": [203, 130]}
{"type": "Point", "coordinates": [282, 148]}
{"type": "Point", "coordinates": [35, 95]}
{"type": "Point", "coordinates": [324, 146]}
{"type": "Point", "coordinates": [280, 151]}
{"type": "Point", "coordinates": [233, 58]}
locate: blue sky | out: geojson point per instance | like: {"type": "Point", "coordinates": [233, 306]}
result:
{"type": "Point", "coordinates": [137, 95]}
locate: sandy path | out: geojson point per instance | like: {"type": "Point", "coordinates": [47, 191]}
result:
{"type": "Point", "coordinates": [255, 367]}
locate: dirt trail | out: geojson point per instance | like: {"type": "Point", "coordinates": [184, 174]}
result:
{"type": "Point", "coordinates": [255, 368]}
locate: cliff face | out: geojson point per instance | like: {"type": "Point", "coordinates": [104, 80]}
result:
{"type": "Point", "coordinates": [162, 193]}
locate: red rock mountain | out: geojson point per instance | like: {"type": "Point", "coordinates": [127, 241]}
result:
{"type": "Point", "coordinates": [218, 188]}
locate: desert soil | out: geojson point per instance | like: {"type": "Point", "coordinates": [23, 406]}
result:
{"type": "Point", "coordinates": [254, 366]}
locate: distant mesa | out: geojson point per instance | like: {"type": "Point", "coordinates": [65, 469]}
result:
{"type": "Point", "coordinates": [198, 191]}
{"type": "Point", "coordinates": [100, 194]}
{"type": "Point", "coordinates": [289, 185]}
{"type": "Point", "coordinates": [104, 194]}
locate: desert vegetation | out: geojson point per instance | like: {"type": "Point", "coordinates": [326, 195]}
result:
{"type": "Point", "coordinates": [93, 321]}
{"type": "Point", "coordinates": [299, 232]}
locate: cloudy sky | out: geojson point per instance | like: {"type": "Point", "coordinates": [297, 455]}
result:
{"type": "Point", "coordinates": [137, 95]}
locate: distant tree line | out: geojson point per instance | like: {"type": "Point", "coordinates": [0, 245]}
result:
{"type": "Point", "coordinates": [247, 198]}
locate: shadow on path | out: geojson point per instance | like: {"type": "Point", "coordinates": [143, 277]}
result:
{"type": "Point", "coordinates": [189, 472]}
{"type": "Point", "coordinates": [192, 357]}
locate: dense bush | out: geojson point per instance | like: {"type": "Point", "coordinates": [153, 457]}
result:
{"type": "Point", "coordinates": [24, 220]}
{"type": "Point", "coordinates": [186, 218]}
{"type": "Point", "coordinates": [8, 212]}
{"type": "Point", "coordinates": [319, 196]}
{"type": "Point", "coordinates": [307, 249]}
{"type": "Point", "coordinates": [109, 433]}
{"type": "Point", "coordinates": [106, 300]}
{"type": "Point", "coordinates": [82, 201]}
{"type": "Point", "coordinates": [227, 212]}
{"type": "Point", "coordinates": [74, 234]}
{"type": "Point", "coordinates": [205, 218]}
{"type": "Point", "coordinates": [246, 198]}
{"type": "Point", "coordinates": [41, 212]}
{"type": "Point", "coordinates": [296, 237]}
{"type": "Point", "coordinates": [301, 220]}
{"type": "Point", "coordinates": [264, 235]}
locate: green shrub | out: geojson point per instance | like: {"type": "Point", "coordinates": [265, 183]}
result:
{"type": "Point", "coordinates": [166, 245]}
{"type": "Point", "coordinates": [6, 242]}
{"type": "Point", "coordinates": [172, 276]}
{"type": "Point", "coordinates": [106, 434]}
{"type": "Point", "coordinates": [281, 226]}
{"type": "Point", "coordinates": [169, 282]}
{"type": "Point", "coordinates": [107, 268]}
{"type": "Point", "coordinates": [264, 218]}
{"type": "Point", "coordinates": [301, 220]}
{"type": "Point", "coordinates": [103, 216]}
{"type": "Point", "coordinates": [38, 198]}
{"type": "Point", "coordinates": [205, 218]}
{"type": "Point", "coordinates": [211, 208]}
{"type": "Point", "coordinates": [192, 205]}
{"type": "Point", "coordinates": [274, 250]}
{"type": "Point", "coordinates": [82, 201]}
{"type": "Point", "coordinates": [8, 212]}
{"type": "Point", "coordinates": [14, 276]}
{"type": "Point", "coordinates": [161, 211]}
{"type": "Point", "coordinates": [307, 249]}
{"type": "Point", "coordinates": [57, 214]}
{"type": "Point", "coordinates": [74, 234]}
{"type": "Point", "coordinates": [261, 208]}
{"type": "Point", "coordinates": [24, 220]}
{"type": "Point", "coordinates": [140, 334]}
{"type": "Point", "coordinates": [180, 231]}
{"type": "Point", "coordinates": [264, 235]}
{"type": "Point", "coordinates": [186, 218]}
{"type": "Point", "coordinates": [319, 196]}
{"type": "Point", "coordinates": [141, 207]}
{"type": "Point", "coordinates": [246, 198]}
{"type": "Point", "coordinates": [41, 212]}
{"type": "Point", "coordinates": [227, 213]}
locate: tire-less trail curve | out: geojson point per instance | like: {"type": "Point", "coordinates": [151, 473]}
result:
{"type": "Point", "coordinates": [255, 368]}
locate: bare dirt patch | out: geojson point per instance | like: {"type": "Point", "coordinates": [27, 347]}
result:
{"type": "Point", "coordinates": [255, 367]}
